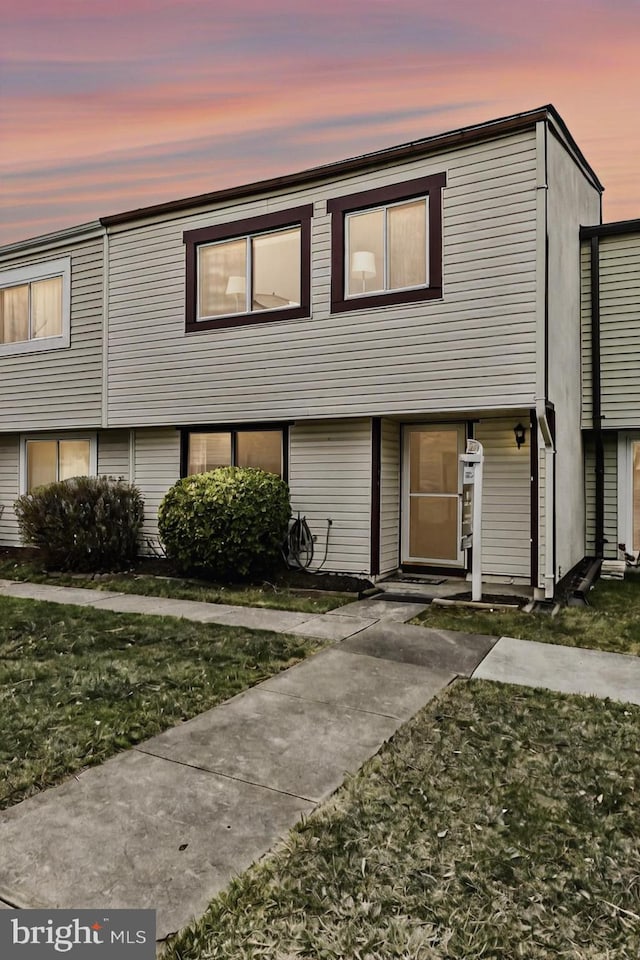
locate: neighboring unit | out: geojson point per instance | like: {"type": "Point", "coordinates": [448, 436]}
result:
{"type": "Point", "coordinates": [348, 327]}
{"type": "Point", "coordinates": [51, 376]}
{"type": "Point", "coordinates": [611, 385]}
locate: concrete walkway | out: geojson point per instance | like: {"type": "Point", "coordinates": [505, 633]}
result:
{"type": "Point", "coordinates": [255, 618]}
{"type": "Point", "coordinates": [565, 669]}
{"type": "Point", "coordinates": [167, 824]}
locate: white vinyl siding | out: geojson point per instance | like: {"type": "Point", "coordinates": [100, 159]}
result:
{"type": "Point", "coordinates": [572, 201]}
{"type": "Point", "coordinates": [585, 331]}
{"type": "Point", "coordinates": [620, 330]}
{"type": "Point", "coordinates": [330, 478]}
{"type": "Point", "coordinates": [610, 442]}
{"type": "Point", "coordinates": [389, 496]}
{"type": "Point", "coordinates": [9, 488]}
{"type": "Point", "coordinates": [475, 348]}
{"type": "Point", "coordinates": [113, 454]}
{"type": "Point", "coordinates": [156, 468]}
{"type": "Point", "coordinates": [60, 389]}
{"type": "Point", "coordinates": [619, 260]}
{"type": "Point", "coordinates": [506, 502]}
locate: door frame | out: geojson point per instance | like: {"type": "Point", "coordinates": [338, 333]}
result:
{"type": "Point", "coordinates": [405, 559]}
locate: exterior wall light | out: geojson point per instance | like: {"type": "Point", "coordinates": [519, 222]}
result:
{"type": "Point", "coordinates": [520, 434]}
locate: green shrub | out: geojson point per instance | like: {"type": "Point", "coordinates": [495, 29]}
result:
{"type": "Point", "coordinates": [86, 524]}
{"type": "Point", "coordinates": [227, 523]}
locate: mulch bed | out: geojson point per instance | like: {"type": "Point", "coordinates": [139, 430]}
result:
{"type": "Point", "coordinates": [280, 577]}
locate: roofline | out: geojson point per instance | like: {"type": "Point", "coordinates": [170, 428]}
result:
{"type": "Point", "coordinates": [405, 151]}
{"type": "Point", "coordinates": [614, 229]}
{"type": "Point", "coordinates": [58, 238]}
{"type": "Point", "coordinates": [573, 148]}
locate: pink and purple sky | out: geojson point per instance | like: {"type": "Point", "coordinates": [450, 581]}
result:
{"type": "Point", "coordinates": [108, 105]}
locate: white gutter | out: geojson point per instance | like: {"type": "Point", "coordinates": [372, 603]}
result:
{"type": "Point", "coordinates": [544, 429]}
{"type": "Point", "coordinates": [52, 241]}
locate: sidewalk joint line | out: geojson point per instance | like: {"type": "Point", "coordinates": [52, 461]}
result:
{"type": "Point", "coordinates": [99, 599]}
{"type": "Point", "coordinates": [327, 703]}
{"type": "Point", "coordinates": [225, 776]}
{"type": "Point", "coordinates": [14, 906]}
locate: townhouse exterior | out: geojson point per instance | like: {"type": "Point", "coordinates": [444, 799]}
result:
{"type": "Point", "coordinates": [349, 327]}
{"type": "Point", "coordinates": [610, 263]}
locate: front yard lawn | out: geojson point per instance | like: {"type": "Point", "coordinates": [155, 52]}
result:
{"type": "Point", "coordinates": [611, 622]}
{"type": "Point", "coordinates": [77, 685]}
{"type": "Point", "coordinates": [500, 822]}
{"type": "Point", "coordinates": [275, 596]}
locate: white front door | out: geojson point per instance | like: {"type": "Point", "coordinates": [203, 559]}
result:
{"type": "Point", "coordinates": [432, 488]}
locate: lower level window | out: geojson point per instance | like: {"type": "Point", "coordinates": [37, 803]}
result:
{"type": "Point", "coordinates": [241, 448]}
{"type": "Point", "coordinates": [49, 460]}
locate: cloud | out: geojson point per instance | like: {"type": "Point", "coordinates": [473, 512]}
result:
{"type": "Point", "coordinates": [113, 105]}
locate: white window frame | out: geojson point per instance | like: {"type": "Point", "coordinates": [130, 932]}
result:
{"type": "Point", "coordinates": [45, 270]}
{"type": "Point", "coordinates": [385, 289]}
{"type": "Point", "coordinates": [248, 238]}
{"type": "Point", "coordinates": [91, 436]}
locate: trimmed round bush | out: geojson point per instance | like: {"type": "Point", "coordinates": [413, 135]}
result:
{"type": "Point", "coordinates": [88, 524]}
{"type": "Point", "coordinates": [230, 522]}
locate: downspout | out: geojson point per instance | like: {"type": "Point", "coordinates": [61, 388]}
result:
{"type": "Point", "coordinates": [544, 434]}
{"type": "Point", "coordinates": [596, 404]}
{"type": "Point", "coordinates": [376, 475]}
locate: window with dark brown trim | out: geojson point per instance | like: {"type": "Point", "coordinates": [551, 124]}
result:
{"type": "Point", "coordinates": [204, 448]}
{"type": "Point", "coordinates": [251, 271]}
{"type": "Point", "coordinates": [386, 245]}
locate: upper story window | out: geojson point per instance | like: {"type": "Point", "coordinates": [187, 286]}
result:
{"type": "Point", "coordinates": [250, 271]}
{"type": "Point", "coordinates": [386, 248]}
{"type": "Point", "coordinates": [35, 307]}
{"type": "Point", "coordinates": [387, 245]}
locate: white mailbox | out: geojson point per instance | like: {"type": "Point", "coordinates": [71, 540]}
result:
{"type": "Point", "coordinates": [472, 460]}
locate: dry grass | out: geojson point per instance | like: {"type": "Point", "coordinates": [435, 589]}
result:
{"type": "Point", "coordinates": [77, 684]}
{"type": "Point", "coordinates": [611, 622]}
{"type": "Point", "coordinates": [500, 823]}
